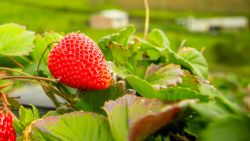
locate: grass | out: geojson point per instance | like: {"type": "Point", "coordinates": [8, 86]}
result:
{"type": "Point", "coordinates": [40, 20]}
{"type": "Point", "coordinates": [55, 4]}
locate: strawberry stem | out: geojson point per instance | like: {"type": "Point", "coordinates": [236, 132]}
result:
{"type": "Point", "coordinates": [40, 80]}
{"type": "Point", "coordinates": [4, 100]}
{"type": "Point", "coordinates": [182, 44]}
{"type": "Point", "coordinates": [146, 19]}
{"type": "Point", "coordinates": [28, 77]}
{"type": "Point", "coordinates": [44, 84]}
{"type": "Point", "coordinates": [40, 60]}
{"type": "Point", "coordinates": [6, 104]}
{"type": "Point", "coordinates": [13, 70]}
{"type": "Point", "coordinates": [51, 95]}
{"type": "Point", "coordinates": [59, 93]}
{"type": "Point", "coordinates": [3, 96]}
{"type": "Point", "coordinates": [5, 85]}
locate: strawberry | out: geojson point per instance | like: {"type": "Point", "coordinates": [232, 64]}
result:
{"type": "Point", "coordinates": [79, 63]}
{"type": "Point", "coordinates": [7, 132]}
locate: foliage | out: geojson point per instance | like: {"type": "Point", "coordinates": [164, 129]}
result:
{"type": "Point", "coordinates": [15, 40]}
{"type": "Point", "coordinates": [158, 93]}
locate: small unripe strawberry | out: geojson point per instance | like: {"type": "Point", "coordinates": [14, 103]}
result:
{"type": "Point", "coordinates": [79, 63]}
{"type": "Point", "coordinates": [7, 132]}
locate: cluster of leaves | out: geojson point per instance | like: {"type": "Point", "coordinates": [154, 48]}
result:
{"type": "Point", "coordinates": [159, 94]}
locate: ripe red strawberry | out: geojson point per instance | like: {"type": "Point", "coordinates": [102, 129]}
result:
{"type": "Point", "coordinates": [78, 62]}
{"type": "Point", "coordinates": [7, 132]}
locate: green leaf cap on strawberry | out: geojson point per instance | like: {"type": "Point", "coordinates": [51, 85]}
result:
{"type": "Point", "coordinates": [79, 63]}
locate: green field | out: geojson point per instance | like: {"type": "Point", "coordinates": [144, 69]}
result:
{"type": "Point", "coordinates": [223, 50]}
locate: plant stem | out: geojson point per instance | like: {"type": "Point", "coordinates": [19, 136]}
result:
{"type": "Point", "coordinates": [51, 96]}
{"type": "Point", "coordinates": [44, 84]}
{"type": "Point", "coordinates": [40, 60]}
{"type": "Point", "coordinates": [6, 104]}
{"type": "Point", "coordinates": [146, 19]}
{"type": "Point", "coordinates": [45, 87]}
{"type": "Point", "coordinates": [59, 93]}
{"type": "Point", "coordinates": [28, 77]}
{"type": "Point", "coordinates": [5, 85]}
{"type": "Point", "coordinates": [15, 62]}
{"type": "Point", "coordinates": [183, 42]}
{"type": "Point", "coordinates": [5, 101]}
{"type": "Point", "coordinates": [13, 70]}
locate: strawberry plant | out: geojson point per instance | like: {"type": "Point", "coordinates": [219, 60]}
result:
{"type": "Point", "coordinates": [122, 88]}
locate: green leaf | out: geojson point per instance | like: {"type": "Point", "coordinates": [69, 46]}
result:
{"type": "Point", "coordinates": [194, 60]}
{"type": "Point", "coordinates": [13, 61]}
{"type": "Point", "coordinates": [15, 40]}
{"type": "Point", "coordinates": [41, 136]}
{"type": "Point", "coordinates": [121, 37]}
{"type": "Point", "coordinates": [41, 43]}
{"type": "Point", "coordinates": [13, 101]}
{"type": "Point", "coordinates": [135, 118]}
{"type": "Point", "coordinates": [207, 89]}
{"type": "Point", "coordinates": [189, 58]}
{"type": "Point", "coordinates": [43, 70]}
{"type": "Point", "coordinates": [162, 77]}
{"type": "Point", "coordinates": [6, 62]}
{"type": "Point", "coordinates": [228, 128]}
{"type": "Point", "coordinates": [120, 54]}
{"type": "Point", "coordinates": [222, 101]}
{"type": "Point", "coordinates": [35, 112]}
{"type": "Point", "coordinates": [118, 119]}
{"type": "Point", "coordinates": [92, 101]}
{"type": "Point", "coordinates": [145, 89]}
{"type": "Point", "coordinates": [179, 93]}
{"type": "Point", "coordinates": [204, 114]}
{"type": "Point", "coordinates": [52, 37]}
{"type": "Point", "coordinates": [195, 124]}
{"type": "Point", "coordinates": [158, 138]}
{"type": "Point", "coordinates": [40, 46]}
{"type": "Point", "coordinates": [209, 111]}
{"type": "Point", "coordinates": [26, 116]}
{"type": "Point", "coordinates": [154, 52]}
{"type": "Point", "coordinates": [158, 38]}
{"type": "Point", "coordinates": [190, 81]}
{"type": "Point", "coordinates": [142, 86]}
{"type": "Point", "coordinates": [78, 126]}
{"type": "Point", "coordinates": [123, 50]}
{"type": "Point", "coordinates": [117, 47]}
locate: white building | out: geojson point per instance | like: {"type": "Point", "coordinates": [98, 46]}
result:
{"type": "Point", "coordinates": [218, 24]}
{"type": "Point", "coordinates": [109, 19]}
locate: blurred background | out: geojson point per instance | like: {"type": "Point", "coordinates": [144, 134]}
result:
{"type": "Point", "coordinates": [221, 27]}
